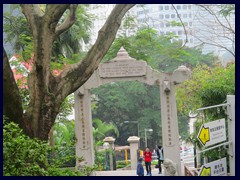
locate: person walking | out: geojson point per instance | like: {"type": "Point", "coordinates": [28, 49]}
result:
{"type": "Point", "coordinates": [140, 169]}
{"type": "Point", "coordinates": [160, 158]}
{"type": "Point", "coordinates": [148, 159]}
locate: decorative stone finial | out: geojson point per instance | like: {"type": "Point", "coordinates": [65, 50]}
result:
{"type": "Point", "coordinates": [109, 139]}
{"type": "Point", "coordinates": [133, 139]}
{"type": "Point", "coordinates": [181, 74]}
{"type": "Point", "coordinates": [122, 55]}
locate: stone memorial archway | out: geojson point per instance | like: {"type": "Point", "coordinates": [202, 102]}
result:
{"type": "Point", "coordinates": [125, 68]}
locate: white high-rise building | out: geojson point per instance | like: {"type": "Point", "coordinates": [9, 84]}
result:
{"type": "Point", "coordinates": [199, 24]}
{"type": "Point", "coordinates": [164, 18]}
{"type": "Point", "coordinates": [216, 31]}
{"type": "Point", "coordinates": [101, 13]}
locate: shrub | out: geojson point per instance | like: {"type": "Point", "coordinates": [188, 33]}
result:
{"type": "Point", "coordinates": [122, 164]}
{"type": "Point", "coordinates": [23, 156]}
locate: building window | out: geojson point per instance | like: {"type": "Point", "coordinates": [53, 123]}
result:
{"type": "Point", "coordinates": [190, 23]}
{"type": "Point", "coordinates": [178, 7]}
{"type": "Point", "coordinates": [161, 16]}
{"type": "Point", "coordinates": [179, 32]}
{"type": "Point", "coordinates": [184, 7]}
{"type": "Point", "coordinates": [184, 15]}
{"type": "Point", "coordinates": [160, 8]}
{"type": "Point", "coordinates": [161, 25]}
{"type": "Point", "coordinates": [189, 6]}
{"type": "Point", "coordinates": [161, 32]}
{"type": "Point", "coordinates": [172, 15]}
{"type": "Point", "coordinates": [166, 7]}
{"type": "Point", "coordinates": [167, 24]}
{"type": "Point", "coordinates": [190, 15]}
{"type": "Point", "coordinates": [167, 16]}
{"type": "Point", "coordinates": [191, 40]}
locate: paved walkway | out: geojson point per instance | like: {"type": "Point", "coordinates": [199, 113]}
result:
{"type": "Point", "coordinates": [124, 173]}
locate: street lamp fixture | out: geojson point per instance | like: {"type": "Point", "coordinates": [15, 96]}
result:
{"type": "Point", "coordinates": [149, 130]}
{"type": "Point", "coordinates": [136, 122]}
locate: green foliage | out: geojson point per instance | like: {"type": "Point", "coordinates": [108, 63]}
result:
{"type": "Point", "coordinates": [133, 101]}
{"type": "Point", "coordinates": [227, 9]}
{"type": "Point", "coordinates": [122, 164]}
{"type": "Point", "coordinates": [208, 86]}
{"type": "Point", "coordinates": [17, 30]}
{"type": "Point", "coordinates": [24, 156]}
{"type": "Point", "coordinates": [64, 132]}
{"type": "Point", "coordinates": [158, 51]}
{"type": "Point", "coordinates": [64, 143]}
{"type": "Point", "coordinates": [99, 156]}
{"type": "Point", "coordinates": [128, 101]}
{"type": "Point", "coordinates": [66, 45]}
{"type": "Point", "coordinates": [69, 42]}
{"type": "Point", "coordinates": [101, 130]}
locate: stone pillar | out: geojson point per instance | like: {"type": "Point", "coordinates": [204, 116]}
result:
{"type": "Point", "coordinates": [111, 141]}
{"type": "Point", "coordinates": [231, 132]}
{"type": "Point", "coordinates": [170, 134]}
{"type": "Point", "coordinates": [83, 126]}
{"type": "Point", "coordinates": [133, 141]}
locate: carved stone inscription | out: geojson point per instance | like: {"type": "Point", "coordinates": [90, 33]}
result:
{"type": "Point", "coordinates": [123, 69]}
{"type": "Point", "coordinates": [169, 133]}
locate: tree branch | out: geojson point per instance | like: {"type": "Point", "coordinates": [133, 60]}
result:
{"type": "Point", "coordinates": [218, 20]}
{"type": "Point", "coordinates": [216, 45]}
{"type": "Point", "coordinates": [76, 75]}
{"type": "Point", "coordinates": [12, 104]}
{"type": "Point", "coordinates": [183, 25]}
{"type": "Point", "coordinates": [29, 11]}
{"type": "Point", "coordinates": [69, 21]}
{"type": "Point", "coordinates": [37, 10]}
{"type": "Point", "coordinates": [54, 12]}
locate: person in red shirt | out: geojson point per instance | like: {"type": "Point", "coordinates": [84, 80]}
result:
{"type": "Point", "coordinates": [148, 159]}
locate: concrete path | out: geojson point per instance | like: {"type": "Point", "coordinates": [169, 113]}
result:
{"type": "Point", "coordinates": [124, 173]}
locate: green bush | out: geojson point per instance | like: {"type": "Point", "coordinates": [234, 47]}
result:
{"type": "Point", "coordinates": [122, 164]}
{"type": "Point", "coordinates": [23, 156]}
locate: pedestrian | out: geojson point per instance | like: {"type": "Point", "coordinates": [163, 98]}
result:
{"type": "Point", "coordinates": [148, 159]}
{"type": "Point", "coordinates": [160, 158]}
{"type": "Point", "coordinates": [140, 170]}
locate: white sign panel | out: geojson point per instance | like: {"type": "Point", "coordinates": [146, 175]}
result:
{"type": "Point", "coordinates": [215, 168]}
{"type": "Point", "coordinates": [212, 132]}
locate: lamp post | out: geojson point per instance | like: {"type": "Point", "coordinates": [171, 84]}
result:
{"type": "Point", "coordinates": [150, 130]}
{"type": "Point", "coordinates": [135, 122]}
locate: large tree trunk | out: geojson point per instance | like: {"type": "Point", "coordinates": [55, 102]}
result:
{"type": "Point", "coordinates": [46, 91]}
{"type": "Point", "coordinates": [11, 99]}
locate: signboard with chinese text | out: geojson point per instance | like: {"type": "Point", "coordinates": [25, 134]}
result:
{"type": "Point", "coordinates": [215, 168]}
{"type": "Point", "coordinates": [212, 132]}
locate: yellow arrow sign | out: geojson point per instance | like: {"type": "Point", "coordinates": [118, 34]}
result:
{"type": "Point", "coordinates": [204, 135]}
{"type": "Point", "coordinates": [205, 171]}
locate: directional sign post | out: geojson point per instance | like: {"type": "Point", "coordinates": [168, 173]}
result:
{"type": "Point", "coordinates": [212, 132]}
{"type": "Point", "coordinates": [215, 168]}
